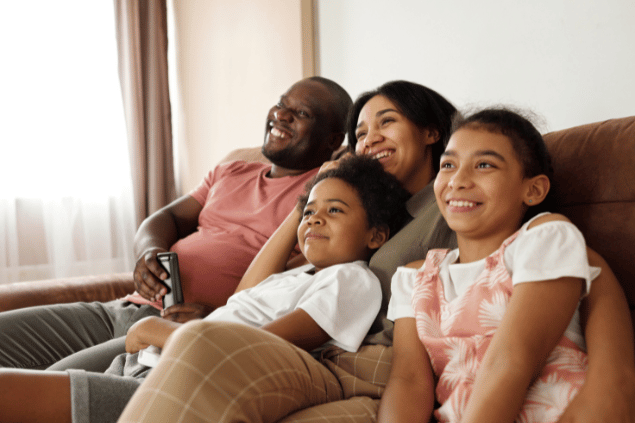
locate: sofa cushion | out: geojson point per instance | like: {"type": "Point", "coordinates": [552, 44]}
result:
{"type": "Point", "coordinates": [594, 186]}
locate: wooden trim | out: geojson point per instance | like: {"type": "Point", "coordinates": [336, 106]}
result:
{"type": "Point", "coordinates": [309, 38]}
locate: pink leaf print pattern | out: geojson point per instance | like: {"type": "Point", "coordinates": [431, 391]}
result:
{"type": "Point", "coordinates": [456, 335]}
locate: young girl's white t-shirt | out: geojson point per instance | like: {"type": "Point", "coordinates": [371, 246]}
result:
{"type": "Point", "coordinates": [548, 251]}
{"type": "Point", "coordinates": [343, 299]}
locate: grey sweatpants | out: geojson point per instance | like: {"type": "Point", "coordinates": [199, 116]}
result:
{"type": "Point", "coordinates": [38, 337]}
{"type": "Point", "coordinates": [101, 397]}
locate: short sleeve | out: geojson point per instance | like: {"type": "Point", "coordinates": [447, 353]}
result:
{"type": "Point", "coordinates": [402, 285]}
{"type": "Point", "coordinates": [549, 251]}
{"type": "Point", "coordinates": [201, 192]}
{"type": "Point", "coordinates": [344, 301]}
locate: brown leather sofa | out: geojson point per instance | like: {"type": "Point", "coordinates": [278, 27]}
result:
{"type": "Point", "coordinates": [594, 185]}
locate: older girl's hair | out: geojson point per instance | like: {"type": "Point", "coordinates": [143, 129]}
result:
{"type": "Point", "coordinates": [421, 105]}
{"type": "Point", "coordinates": [527, 143]}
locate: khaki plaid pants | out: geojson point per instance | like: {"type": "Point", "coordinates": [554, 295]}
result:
{"type": "Point", "coordinates": [220, 372]}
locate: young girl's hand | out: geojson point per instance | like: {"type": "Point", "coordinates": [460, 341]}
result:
{"type": "Point", "coordinates": [137, 334]}
{"type": "Point", "coordinates": [149, 331]}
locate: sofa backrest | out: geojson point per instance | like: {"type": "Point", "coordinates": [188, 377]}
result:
{"type": "Point", "coordinates": [594, 186]}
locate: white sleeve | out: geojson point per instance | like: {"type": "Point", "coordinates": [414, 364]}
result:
{"type": "Point", "coordinates": [344, 303]}
{"type": "Point", "coordinates": [549, 251]}
{"type": "Point", "coordinates": [401, 288]}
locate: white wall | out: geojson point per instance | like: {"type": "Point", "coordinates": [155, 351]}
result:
{"type": "Point", "coordinates": [230, 62]}
{"type": "Point", "coordinates": [572, 62]}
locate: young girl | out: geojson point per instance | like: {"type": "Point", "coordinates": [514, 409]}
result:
{"type": "Point", "coordinates": [493, 325]}
{"type": "Point", "coordinates": [348, 213]}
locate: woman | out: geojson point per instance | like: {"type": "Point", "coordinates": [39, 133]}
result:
{"type": "Point", "coordinates": [405, 126]}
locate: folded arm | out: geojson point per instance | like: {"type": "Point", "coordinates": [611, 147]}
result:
{"type": "Point", "coordinates": [409, 394]}
{"type": "Point", "coordinates": [274, 255]}
{"type": "Point", "coordinates": [535, 320]}
{"type": "Point", "coordinates": [299, 328]}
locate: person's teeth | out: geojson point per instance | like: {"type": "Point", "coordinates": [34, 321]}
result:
{"type": "Point", "coordinates": [278, 133]}
{"type": "Point", "coordinates": [461, 203]}
{"type": "Point", "coordinates": [382, 154]}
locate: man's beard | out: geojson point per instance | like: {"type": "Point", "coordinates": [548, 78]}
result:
{"type": "Point", "coordinates": [287, 158]}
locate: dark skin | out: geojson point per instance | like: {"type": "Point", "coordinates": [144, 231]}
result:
{"type": "Point", "coordinates": [304, 138]}
{"type": "Point", "coordinates": [36, 396]}
{"type": "Point", "coordinates": [155, 235]}
{"type": "Point", "coordinates": [298, 137]}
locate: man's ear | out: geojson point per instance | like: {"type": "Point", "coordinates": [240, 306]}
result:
{"type": "Point", "coordinates": [379, 237]}
{"type": "Point", "coordinates": [536, 190]}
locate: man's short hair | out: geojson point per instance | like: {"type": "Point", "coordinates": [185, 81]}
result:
{"type": "Point", "coordinates": [342, 102]}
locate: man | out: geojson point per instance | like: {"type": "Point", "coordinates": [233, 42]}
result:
{"type": "Point", "coordinates": [217, 230]}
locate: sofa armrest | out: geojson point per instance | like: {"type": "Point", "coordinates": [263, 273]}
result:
{"type": "Point", "coordinates": [65, 290]}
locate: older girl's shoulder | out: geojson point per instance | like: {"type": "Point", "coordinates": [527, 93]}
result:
{"type": "Point", "coordinates": [547, 217]}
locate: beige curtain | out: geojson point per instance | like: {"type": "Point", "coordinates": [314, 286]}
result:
{"type": "Point", "coordinates": [143, 70]}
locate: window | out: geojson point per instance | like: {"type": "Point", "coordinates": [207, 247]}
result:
{"type": "Point", "coordinates": [66, 196]}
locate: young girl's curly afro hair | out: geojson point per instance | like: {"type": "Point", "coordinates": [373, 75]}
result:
{"type": "Point", "coordinates": [381, 194]}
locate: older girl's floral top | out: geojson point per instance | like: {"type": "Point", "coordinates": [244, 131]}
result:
{"type": "Point", "coordinates": [456, 334]}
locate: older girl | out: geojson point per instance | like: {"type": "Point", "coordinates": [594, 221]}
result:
{"type": "Point", "coordinates": [493, 324]}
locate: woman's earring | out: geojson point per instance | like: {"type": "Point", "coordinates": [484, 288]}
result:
{"type": "Point", "coordinates": [531, 201]}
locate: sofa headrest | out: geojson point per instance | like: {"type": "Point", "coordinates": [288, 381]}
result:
{"type": "Point", "coordinates": [594, 185]}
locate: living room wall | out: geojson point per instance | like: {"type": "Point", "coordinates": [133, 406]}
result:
{"type": "Point", "coordinates": [569, 61]}
{"type": "Point", "coordinates": [230, 61]}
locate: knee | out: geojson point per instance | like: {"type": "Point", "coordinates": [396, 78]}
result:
{"type": "Point", "coordinates": [201, 331]}
{"type": "Point", "coordinates": [205, 335]}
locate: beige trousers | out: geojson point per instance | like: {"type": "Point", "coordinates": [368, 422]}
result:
{"type": "Point", "coordinates": [220, 372]}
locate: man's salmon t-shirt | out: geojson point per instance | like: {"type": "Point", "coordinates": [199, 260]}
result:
{"type": "Point", "coordinates": [242, 207]}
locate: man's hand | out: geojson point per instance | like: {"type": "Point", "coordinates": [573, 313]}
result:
{"type": "Point", "coordinates": [182, 313]}
{"type": "Point", "coordinates": [613, 402]}
{"type": "Point", "coordinates": [148, 274]}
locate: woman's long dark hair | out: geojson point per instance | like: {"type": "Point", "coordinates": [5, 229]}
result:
{"type": "Point", "coordinates": [421, 105]}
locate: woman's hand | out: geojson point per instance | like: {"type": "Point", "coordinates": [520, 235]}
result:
{"type": "Point", "coordinates": [332, 164]}
{"type": "Point", "coordinates": [613, 402]}
{"type": "Point", "coordinates": [609, 389]}
{"type": "Point", "coordinates": [185, 312]}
